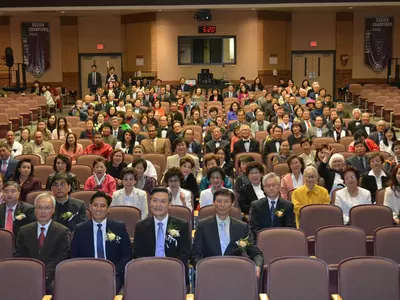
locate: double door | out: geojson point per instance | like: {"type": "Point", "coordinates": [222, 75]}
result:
{"type": "Point", "coordinates": [314, 66]}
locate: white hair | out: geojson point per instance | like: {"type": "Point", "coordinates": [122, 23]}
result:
{"type": "Point", "coordinates": [315, 83]}
{"type": "Point", "coordinates": [356, 110]}
{"type": "Point", "coordinates": [45, 195]}
{"type": "Point", "coordinates": [269, 176]}
{"type": "Point", "coordinates": [312, 169]}
{"type": "Point", "coordinates": [333, 157]}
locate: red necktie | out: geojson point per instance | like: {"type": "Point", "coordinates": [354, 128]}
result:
{"type": "Point", "coordinates": [9, 224]}
{"type": "Point", "coordinates": [308, 124]}
{"type": "Point", "coordinates": [41, 237]}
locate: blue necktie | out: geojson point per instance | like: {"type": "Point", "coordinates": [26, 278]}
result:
{"type": "Point", "coordinates": [224, 237]}
{"type": "Point", "coordinates": [160, 247]}
{"type": "Point", "coordinates": [100, 248]}
{"type": "Point", "coordinates": [272, 211]}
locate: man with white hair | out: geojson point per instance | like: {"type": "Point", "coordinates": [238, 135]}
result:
{"type": "Point", "coordinates": [356, 114]}
{"type": "Point", "coordinates": [365, 125]}
{"type": "Point", "coordinates": [378, 135]}
{"type": "Point", "coordinates": [272, 210]}
{"type": "Point", "coordinates": [246, 143]}
{"type": "Point", "coordinates": [314, 92]}
{"type": "Point", "coordinates": [309, 193]}
{"type": "Point", "coordinates": [303, 97]}
{"type": "Point", "coordinates": [44, 240]}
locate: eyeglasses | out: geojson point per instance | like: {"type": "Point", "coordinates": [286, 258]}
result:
{"type": "Point", "coordinates": [352, 177]}
{"type": "Point", "coordinates": [59, 185]}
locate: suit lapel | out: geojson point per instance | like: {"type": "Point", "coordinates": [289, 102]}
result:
{"type": "Point", "coordinates": [2, 216]}
{"type": "Point", "coordinates": [33, 240]}
{"type": "Point", "coordinates": [48, 239]}
{"type": "Point", "coordinates": [109, 246]}
{"type": "Point", "coordinates": [89, 236]}
{"type": "Point", "coordinates": [214, 236]}
{"type": "Point", "coordinates": [152, 235]}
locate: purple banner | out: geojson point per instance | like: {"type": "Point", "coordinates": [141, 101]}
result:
{"type": "Point", "coordinates": [36, 47]}
{"type": "Point", "coordinates": [378, 42]}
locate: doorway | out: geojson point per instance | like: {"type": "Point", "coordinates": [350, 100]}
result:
{"type": "Point", "coordinates": [103, 63]}
{"type": "Point", "coordinates": [315, 66]}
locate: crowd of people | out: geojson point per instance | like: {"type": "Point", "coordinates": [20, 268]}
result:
{"type": "Point", "coordinates": [205, 139]}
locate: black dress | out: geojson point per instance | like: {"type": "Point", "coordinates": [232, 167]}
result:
{"type": "Point", "coordinates": [115, 171]}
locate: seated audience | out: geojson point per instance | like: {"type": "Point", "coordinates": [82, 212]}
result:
{"type": "Point", "coordinates": [52, 245]}
{"type": "Point", "coordinates": [294, 178]}
{"type": "Point", "coordinates": [51, 123]}
{"type": "Point", "coordinates": [89, 131]}
{"type": "Point", "coordinates": [392, 194]}
{"type": "Point", "coordinates": [97, 238]}
{"type": "Point", "coordinates": [15, 147]}
{"type": "Point", "coordinates": [224, 163]}
{"type": "Point", "coordinates": [8, 165]}
{"type": "Point", "coordinates": [71, 147]}
{"type": "Point", "coordinates": [25, 137]}
{"type": "Point", "coordinates": [309, 193]}
{"type": "Point", "coordinates": [153, 144]}
{"type": "Point", "coordinates": [61, 130]}
{"type": "Point", "coordinates": [377, 136]}
{"type": "Point", "coordinates": [241, 179]}
{"type": "Point", "coordinates": [273, 145]}
{"type": "Point", "coordinates": [387, 141]}
{"type": "Point", "coordinates": [39, 147]}
{"type": "Point", "coordinates": [173, 179]}
{"type": "Point", "coordinates": [332, 175]}
{"type": "Point", "coordinates": [100, 180]}
{"type": "Point", "coordinates": [297, 136]}
{"type": "Point", "coordinates": [129, 195]}
{"type": "Point", "coordinates": [143, 182]}
{"type": "Point", "coordinates": [360, 160]}
{"type": "Point", "coordinates": [211, 160]}
{"type": "Point", "coordinates": [375, 179]}
{"type": "Point", "coordinates": [127, 143]}
{"type": "Point", "coordinates": [25, 177]}
{"type": "Point", "coordinates": [245, 143]}
{"type": "Point", "coordinates": [283, 154]}
{"type": "Point", "coordinates": [216, 235]}
{"type": "Point", "coordinates": [62, 165]}
{"type": "Point", "coordinates": [351, 195]}
{"type": "Point", "coordinates": [216, 177]}
{"type": "Point", "coordinates": [253, 190]}
{"type": "Point", "coordinates": [232, 113]}
{"type": "Point", "coordinates": [99, 147]}
{"type": "Point", "coordinates": [150, 170]}
{"type": "Point", "coordinates": [319, 130]}
{"type": "Point", "coordinates": [189, 181]}
{"type": "Point", "coordinates": [320, 152]}
{"type": "Point", "coordinates": [362, 135]}
{"type": "Point", "coordinates": [108, 138]}
{"type": "Point", "coordinates": [116, 165]}
{"type": "Point", "coordinates": [271, 210]}
{"type": "Point", "coordinates": [308, 154]}
{"type": "Point", "coordinates": [338, 131]}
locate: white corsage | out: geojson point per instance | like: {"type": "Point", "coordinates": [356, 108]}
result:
{"type": "Point", "coordinates": [68, 216]}
{"type": "Point", "coordinates": [172, 234]}
{"type": "Point", "coordinates": [112, 237]}
{"type": "Point", "coordinates": [20, 216]}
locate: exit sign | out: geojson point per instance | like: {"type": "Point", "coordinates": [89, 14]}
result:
{"type": "Point", "coordinates": [313, 43]}
{"type": "Point", "coordinates": [100, 46]}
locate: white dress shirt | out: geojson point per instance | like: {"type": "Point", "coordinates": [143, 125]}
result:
{"type": "Point", "coordinates": [392, 200]}
{"type": "Point", "coordinates": [16, 149]}
{"type": "Point", "coordinates": [270, 204]}
{"type": "Point", "coordinates": [150, 170]}
{"type": "Point", "coordinates": [227, 231]}
{"type": "Point", "coordinates": [177, 199]}
{"type": "Point", "coordinates": [104, 231]}
{"type": "Point", "coordinates": [346, 202]}
{"type": "Point", "coordinates": [258, 190]}
{"type": "Point", "coordinates": [385, 148]}
{"type": "Point", "coordinates": [46, 226]}
{"type": "Point", "coordinates": [207, 196]}
{"type": "Point", "coordinates": [309, 160]}
{"type": "Point", "coordinates": [165, 224]}
{"type": "Point", "coordinates": [13, 213]}
{"type": "Point", "coordinates": [137, 198]}
{"type": "Point", "coordinates": [297, 183]}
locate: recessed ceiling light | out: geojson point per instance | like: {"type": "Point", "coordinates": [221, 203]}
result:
{"type": "Point", "coordinates": [351, 7]}
{"type": "Point", "coordinates": [63, 12]}
{"type": "Point", "coordinates": [253, 9]}
{"type": "Point", "coordinates": [160, 10]}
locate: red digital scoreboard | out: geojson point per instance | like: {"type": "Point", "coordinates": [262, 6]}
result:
{"type": "Point", "coordinates": [208, 29]}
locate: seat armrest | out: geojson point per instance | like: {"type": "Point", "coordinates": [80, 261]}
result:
{"type": "Point", "coordinates": [118, 297]}
{"type": "Point", "coordinates": [196, 213]}
{"type": "Point", "coordinates": [47, 297]}
{"type": "Point", "coordinates": [193, 233]}
{"type": "Point", "coordinates": [263, 296]}
{"type": "Point", "coordinates": [336, 297]}
{"type": "Point", "coordinates": [190, 297]}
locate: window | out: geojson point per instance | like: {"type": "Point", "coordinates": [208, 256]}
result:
{"type": "Point", "coordinates": [199, 50]}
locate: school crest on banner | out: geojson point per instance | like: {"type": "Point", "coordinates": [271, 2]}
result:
{"type": "Point", "coordinates": [378, 42]}
{"type": "Point", "coordinates": [36, 47]}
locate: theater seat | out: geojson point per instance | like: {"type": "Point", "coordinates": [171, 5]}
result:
{"type": "Point", "coordinates": [7, 244]}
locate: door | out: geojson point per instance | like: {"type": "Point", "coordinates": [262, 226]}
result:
{"type": "Point", "coordinates": [314, 66]}
{"type": "Point", "coordinates": [103, 63]}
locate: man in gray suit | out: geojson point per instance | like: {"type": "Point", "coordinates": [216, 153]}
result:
{"type": "Point", "coordinates": [259, 124]}
{"type": "Point", "coordinates": [360, 160]}
{"type": "Point", "coordinates": [230, 93]}
{"type": "Point", "coordinates": [8, 165]}
{"type": "Point", "coordinates": [318, 130]}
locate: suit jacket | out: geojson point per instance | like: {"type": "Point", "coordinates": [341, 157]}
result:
{"type": "Point", "coordinates": [55, 247]}
{"type": "Point", "coordinates": [22, 208]}
{"type": "Point", "coordinates": [372, 128]}
{"type": "Point", "coordinates": [120, 134]}
{"type": "Point", "coordinates": [219, 98]}
{"type": "Point", "coordinates": [98, 80]}
{"type": "Point", "coordinates": [312, 132]}
{"type": "Point", "coordinates": [46, 149]}
{"type": "Point", "coordinates": [139, 138]}
{"type": "Point", "coordinates": [163, 146]}
{"type": "Point", "coordinates": [99, 107]}
{"type": "Point", "coordinates": [196, 149]}
{"type": "Point", "coordinates": [168, 132]}
{"type": "Point", "coordinates": [78, 210]}
{"type": "Point", "coordinates": [111, 140]}
{"type": "Point", "coordinates": [250, 117]}
{"type": "Point", "coordinates": [145, 240]}
{"type": "Point", "coordinates": [375, 137]}
{"type": "Point", "coordinates": [355, 162]}
{"type": "Point", "coordinates": [206, 242]}
{"type": "Point", "coordinates": [255, 128]}
{"type": "Point", "coordinates": [238, 147]}
{"type": "Point", "coordinates": [185, 87]}
{"type": "Point", "coordinates": [176, 117]}
{"type": "Point", "coordinates": [353, 124]}
{"type": "Point", "coordinates": [260, 215]}
{"type": "Point", "coordinates": [173, 161]}
{"type": "Point", "coordinates": [119, 253]}
{"type": "Point", "coordinates": [11, 167]}
{"type": "Point", "coordinates": [84, 134]}
{"type": "Point", "coordinates": [368, 182]}
{"type": "Point", "coordinates": [246, 196]}
{"type": "Point", "coordinates": [226, 145]}
{"type": "Point", "coordinates": [304, 126]}
{"type": "Point", "coordinates": [270, 147]}
{"type": "Point", "coordinates": [226, 95]}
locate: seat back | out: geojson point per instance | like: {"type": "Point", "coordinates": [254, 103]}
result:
{"type": "Point", "coordinates": [278, 242]}
{"type": "Point", "coordinates": [57, 144]}
{"type": "Point", "coordinates": [82, 172]}
{"type": "Point", "coordinates": [7, 244]}
{"type": "Point", "coordinates": [76, 130]}
{"type": "Point", "coordinates": [318, 141]}
{"type": "Point", "coordinates": [156, 159]}
{"type": "Point", "coordinates": [335, 243]}
{"type": "Point", "coordinates": [127, 214]}
{"type": "Point", "coordinates": [84, 196]}
{"type": "Point", "coordinates": [72, 120]}
{"type": "Point", "coordinates": [71, 279]}
{"type": "Point", "coordinates": [346, 141]}
{"type": "Point", "coordinates": [84, 142]}
{"type": "Point", "coordinates": [219, 278]}
{"type": "Point", "coordinates": [22, 279]}
{"type": "Point", "coordinates": [87, 159]}
{"type": "Point", "coordinates": [367, 278]}
{"type": "Point", "coordinates": [42, 172]}
{"type": "Point", "coordinates": [257, 157]}
{"type": "Point", "coordinates": [280, 169]}
{"type": "Point", "coordinates": [50, 159]}
{"type": "Point", "coordinates": [141, 272]}
{"type": "Point", "coordinates": [182, 212]}
{"type": "Point", "coordinates": [387, 242]}
{"type": "Point", "coordinates": [379, 197]}
{"type": "Point", "coordinates": [30, 197]}
{"type": "Point", "coordinates": [369, 217]}
{"type": "Point", "coordinates": [315, 216]}
{"type": "Point", "coordinates": [35, 159]}
{"type": "Point", "coordinates": [209, 210]}
{"type": "Point", "coordinates": [308, 279]}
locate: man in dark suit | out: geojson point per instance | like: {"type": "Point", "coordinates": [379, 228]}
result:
{"type": "Point", "coordinates": [217, 141]}
{"type": "Point", "coordinates": [138, 137]}
{"type": "Point", "coordinates": [356, 120]}
{"type": "Point", "coordinates": [176, 133]}
{"type": "Point", "coordinates": [103, 105]}
{"type": "Point", "coordinates": [147, 98]}
{"type": "Point", "coordinates": [230, 93]}
{"type": "Point", "coordinates": [240, 121]}
{"type": "Point", "coordinates": [377, 136]}
{"type": "Point", "coordinates": [111, 76]}
{"type": "Point", "coordinates": [251, 115]}
{"type": "Point", "coordinates": [174, 113]}
{"type": "Point", "coordinates": [360, 160]}
{"type": "Point", "coordinates": [220, 234]}
{"type": "Point", "coordinates": [101, 237]}
{"type": "Point", "coordinates": [69, 211]}
{"type": "Point", "coordinates": [273, 145]}
{"type": "Point", "coordinates": [194, 147]}
{"type": "Point", "coordinates": [183, 86]}
{"type": "Point", "coordinates": [94, 80]}
{"type": "Point", "coordinates": [271, 211]}
{"type": "Point", "coordinates": [8, 165]}
{"type": "Point", "coordinates": [116, 131]}
{"type": "Point", "coordinates": [164, 130]}
{"type": "Point", "coordinates": [13, 213]}
{"type": "Point", "coordinates": [246, 143]}
{"type": "Point", "coordinates": [44, 240]}
{"type": "Point", "coordinates": [365, 125]}
{"type": "Point", "coordinates": [162, 235]}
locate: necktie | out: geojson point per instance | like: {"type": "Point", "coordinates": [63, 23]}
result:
{"type": "Point", "coordinates": [362, 165]}
{"type": "Point", "coordinates": [261, 126]}
{"type": "Point", "coordinates": [41, 237]}
{"type": "Point", "coordinates": [224, 237]}
{"type": "Point", "coordinates": [272, 211]}
{"type": "Point", "coordinates": [94, 78]}
{"type": "Point", "coordinates": [380, 137]}
{"type": "Point", "coordinates": [4, 166]}
{"type": "Point", "coordinates": [308, 124]}
{"type": "Point", "coordinates": [160, 246]}
{"type": "Point", "coordinates": [230, 94]}
{"type": "Point", "coordinates": [9, 225]}
{"type": "Point", "coordinates": [154, 145]}
{"type": "Point", "coordinates": [99, 246]}
{"type": "Point", "coordinates": [115, 133]}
